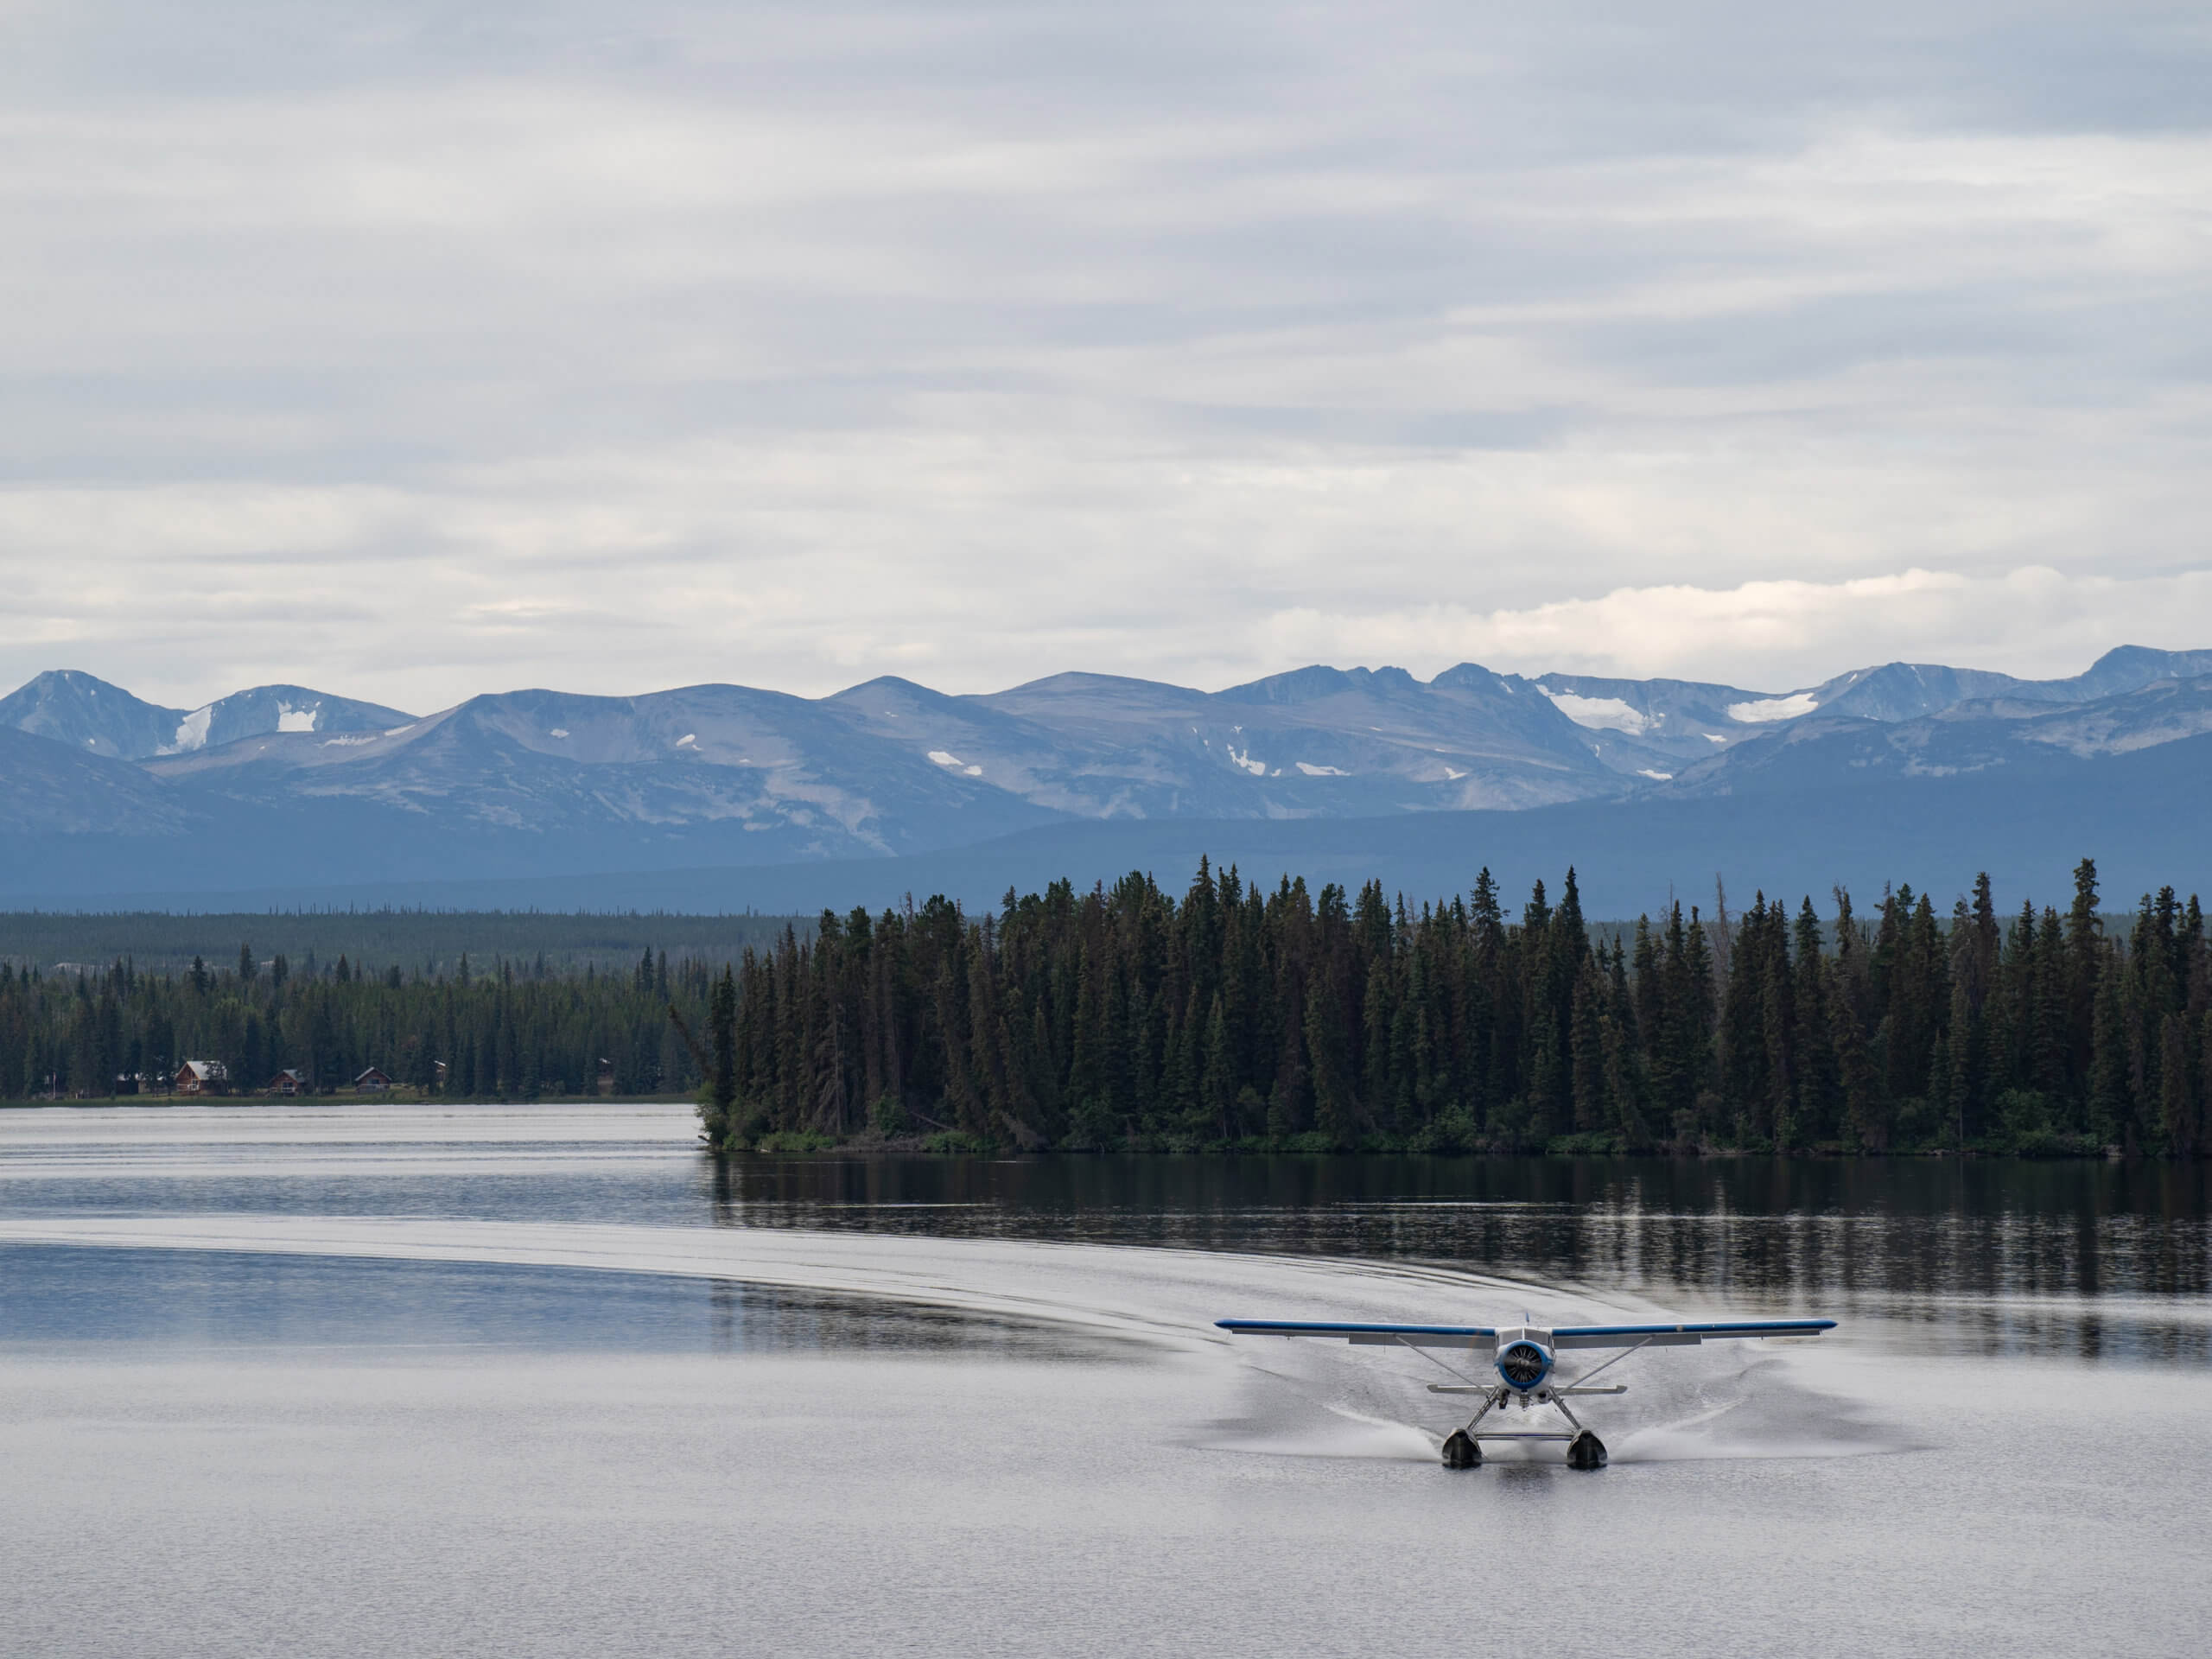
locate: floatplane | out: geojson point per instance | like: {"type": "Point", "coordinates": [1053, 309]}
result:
{"type": "Point", "coordinates": [1524, 1355]}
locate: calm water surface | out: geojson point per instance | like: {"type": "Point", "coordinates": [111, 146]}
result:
{"type": "Point", "coordinates": [498, 1379]}
{"type": "Point", "coordinates": [2098, 1260]}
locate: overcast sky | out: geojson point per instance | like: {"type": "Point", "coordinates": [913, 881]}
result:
{"type": "Point", "coordinates": [411, 351]}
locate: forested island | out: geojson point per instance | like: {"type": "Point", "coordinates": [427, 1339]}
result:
{"type": "Point", "coordinates": [1241, 1017]}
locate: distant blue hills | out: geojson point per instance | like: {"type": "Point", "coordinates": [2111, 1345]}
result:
{"type": "Point", "coordinates": [724, 797]}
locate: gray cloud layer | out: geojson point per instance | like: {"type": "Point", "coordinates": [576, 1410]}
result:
{"type": "Point", "coordinates": [418, 352]}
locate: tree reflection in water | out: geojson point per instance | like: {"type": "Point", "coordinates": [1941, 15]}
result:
{"type": "Point", "coordinates": [2099, 1259]}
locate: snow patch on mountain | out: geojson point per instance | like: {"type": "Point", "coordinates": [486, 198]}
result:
{"type": "Point", "coordinates": [192, 730]}
{"type": "Point", "coordinates": [289, 719]}
{"type": "Point", "coordinates": [1793, 707]}
{"type": "Point", "coordinates": [1608, 714]}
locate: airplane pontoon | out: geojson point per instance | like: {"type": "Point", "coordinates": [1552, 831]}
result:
{"type": "Point", "coordinates": [1525, 1355]}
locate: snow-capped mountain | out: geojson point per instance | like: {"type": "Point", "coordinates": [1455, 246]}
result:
{"type": "Point", "coordinates": [94, 783]}
{"type": "Point", "coordinates": [85, 712]}
{"type": "Point", "coordinates": [1978, 735]}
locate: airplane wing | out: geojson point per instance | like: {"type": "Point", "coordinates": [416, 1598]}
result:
{"type": "Point", "coordinates": [1671, 1336]}
{"type": "Point", "coordinates": [1571, 1336]}
{"type": "Point", "coordinates": [1394, 1336]}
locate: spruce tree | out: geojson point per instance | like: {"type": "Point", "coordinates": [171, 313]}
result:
{"type": "Point", "coordinates": [1217, 1085]}
{"type": "Point", "coordinates": [2178, 1088]}
{"type": "Point", "coordinates": [1336, 1111]}
{"type": "Point", "coordinates": [1819, 1084]}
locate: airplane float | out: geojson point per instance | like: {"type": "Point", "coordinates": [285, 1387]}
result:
{"type": "Point", "coordinates": [1524, 1356]}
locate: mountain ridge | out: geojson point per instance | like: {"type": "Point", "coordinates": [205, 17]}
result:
{"type": "Point", "coordinates": [539, 780]}
{"type": "Point", "coordinates": [72, 707]}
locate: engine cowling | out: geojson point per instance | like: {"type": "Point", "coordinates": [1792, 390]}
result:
{"type": "Point", "coordinates": [1523, 1363]}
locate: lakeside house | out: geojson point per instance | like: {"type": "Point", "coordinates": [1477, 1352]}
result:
{"type": "Point", "coordinates": [373, 1081]}
{"type": "Point", "coordinates": [286, 1081]}
{"type": "Point", "coordinates": [203, 1077]}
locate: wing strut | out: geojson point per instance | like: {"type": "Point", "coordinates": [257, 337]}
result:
{"type": "Point", "coordinates": [1434, 1361]}
{"type": "Point", "coordinates": [1615, 1360]}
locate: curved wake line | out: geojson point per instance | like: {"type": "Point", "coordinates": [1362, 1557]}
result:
{"type": "Point", "coordinates": [1149, 1293]}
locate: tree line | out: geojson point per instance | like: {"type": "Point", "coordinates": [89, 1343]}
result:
{"type": "Point", "coordinates": [1238, 1015]}
{"type": "Point", "coordinates": [516, 1031]}
{"type": "Point", "coordinates": [1242, 1016]}
{"type": "Point", "coordinates": [434, 940]}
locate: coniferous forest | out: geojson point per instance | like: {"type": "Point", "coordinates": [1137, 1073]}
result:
{"type": "Point", "coordinates": [504, 1030]}
{"type": "Point", "coordinates": [1239, 1016]}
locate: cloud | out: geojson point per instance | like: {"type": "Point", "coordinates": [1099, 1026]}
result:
{"type": "Point", "coordinates": [2035, 622]}
{"type": "Point", "coordinates": [448, 350]}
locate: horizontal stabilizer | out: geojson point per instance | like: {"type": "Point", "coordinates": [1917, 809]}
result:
{"type": "Point", "coordinates": [1408, 1336]}
{"type": "Point", "coordinates": [1491, 1388]}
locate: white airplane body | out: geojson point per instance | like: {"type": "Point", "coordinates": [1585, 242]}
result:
{"type": "Point", "coordinates": [1524, 1356]}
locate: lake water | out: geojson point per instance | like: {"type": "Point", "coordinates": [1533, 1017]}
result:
{"type": "Point", "coordinates": [543, 1380]}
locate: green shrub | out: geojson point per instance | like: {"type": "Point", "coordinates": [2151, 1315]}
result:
{"type": "Point", "coordinates": [1454, 1130]}
{"type": "Point", "coordinates": [797, 1141]}
{"type": "Point", "coordinates": [957, 1142]}
{"type": "Point", "coordinates": [887, 1117]}
{"type": "Point", "coordinates": [1590, 1143]}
